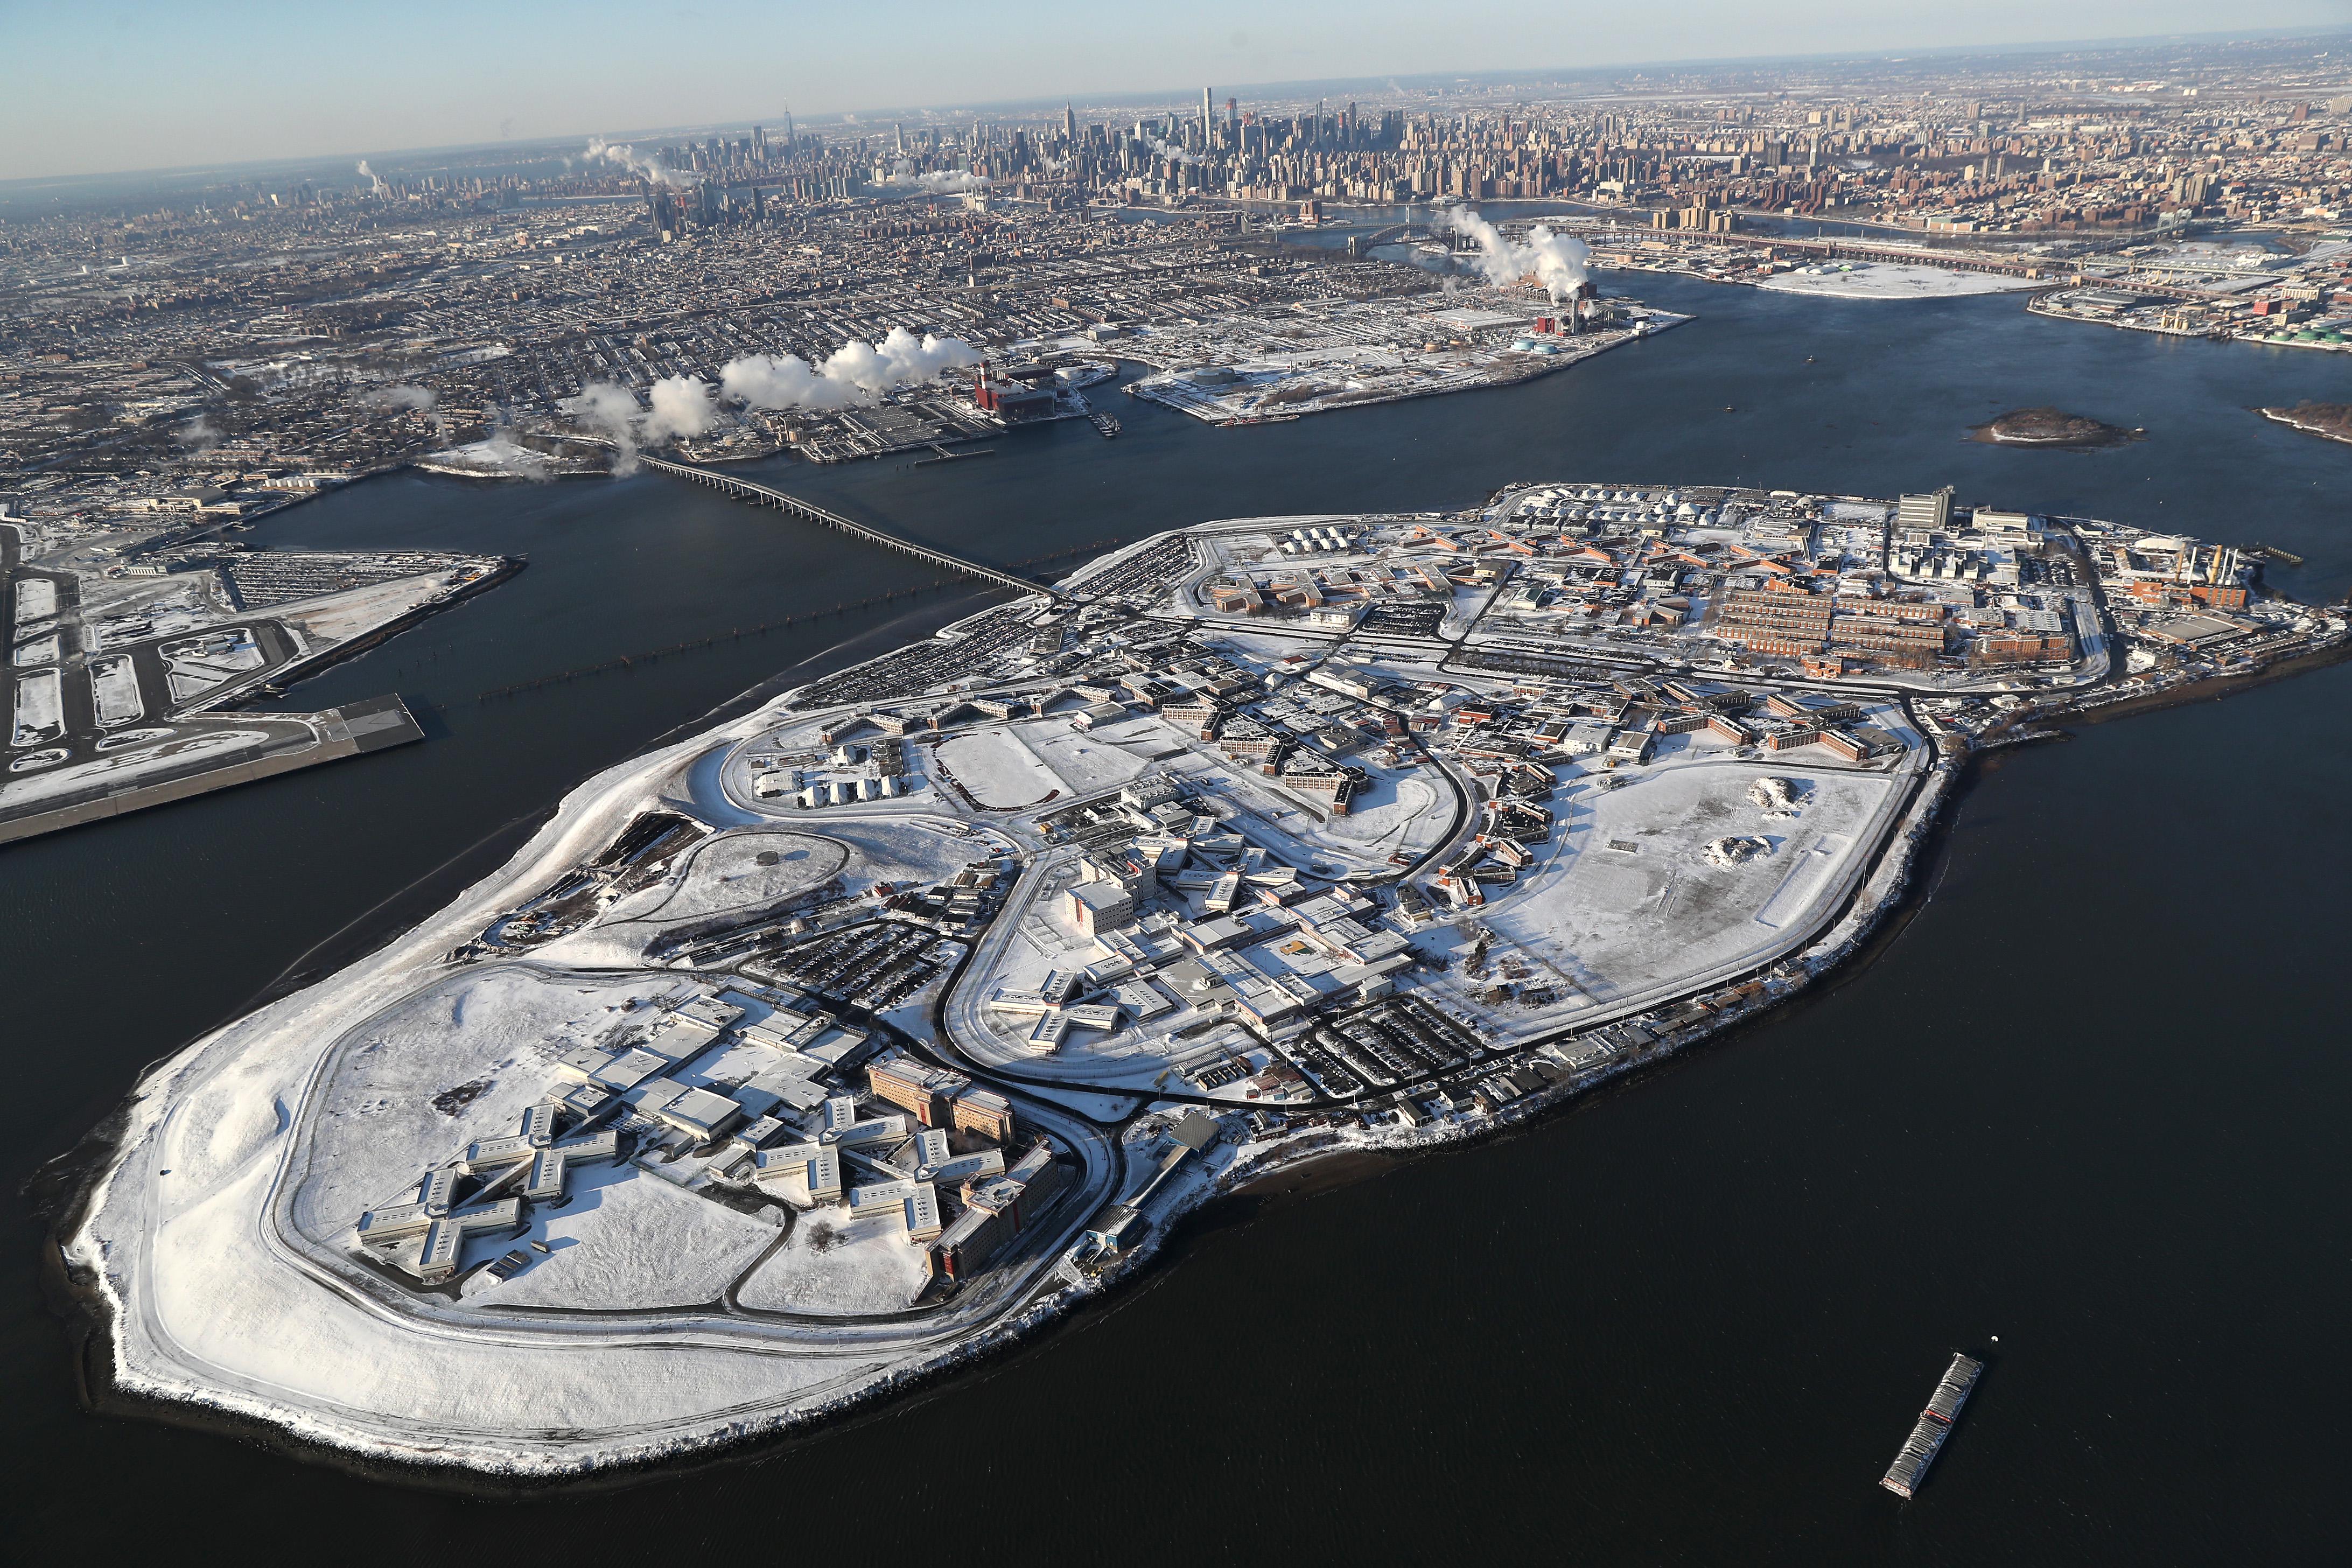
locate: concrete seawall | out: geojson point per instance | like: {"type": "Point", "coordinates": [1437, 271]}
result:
{"type": "Point", "coordinates": [349, 731]}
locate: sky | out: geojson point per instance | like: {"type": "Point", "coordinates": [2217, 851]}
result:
{"type": "Point", "coordinates": [98, 86]}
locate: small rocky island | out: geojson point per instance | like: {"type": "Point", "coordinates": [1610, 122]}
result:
{"type": "Point", "coordinates": [2332, 420]}
{"type": "Point", "coordinates": [2047, 427]}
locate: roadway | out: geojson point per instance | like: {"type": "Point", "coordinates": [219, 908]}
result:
{"type": "Point", "coordinates": [741, 489]}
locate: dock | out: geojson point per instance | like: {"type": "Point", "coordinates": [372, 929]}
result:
{"type": "Point", "coordinates": [1910, 1467]}
{"type": "Point", "coordinates": [942, 455]}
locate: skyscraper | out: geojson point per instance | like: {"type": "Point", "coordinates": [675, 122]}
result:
{"type": "Point", "coordinates": [1069, 124]}
{"type": "Point", "coordinates": [1208, 114]}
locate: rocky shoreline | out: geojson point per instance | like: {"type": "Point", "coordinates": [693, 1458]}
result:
{"type": "Point", "coordinates": [2328, 421]}
{"type": "Point", "coordinates": [2048, 426]}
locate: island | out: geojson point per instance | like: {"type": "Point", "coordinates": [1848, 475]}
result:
{"type": "Point", "coordinates": [801, 1059]}
{"type": "Point", "coordinates": [2048, 426]}
{"type": "Point", "coordinates": [2332, 421]}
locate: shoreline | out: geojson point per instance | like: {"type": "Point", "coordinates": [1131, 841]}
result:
{"type": "Point", "coordinates": [2286, 416]}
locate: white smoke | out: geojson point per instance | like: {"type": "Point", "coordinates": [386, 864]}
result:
{"type": "Point", "coordinates": [681, 406]}
{"type": "Point", "coordinates": [1172, 154]}
{"type": "Point", "coordinates": [199, 434]}
{"type": "Point", "coordinates": [622, 154]}
{"type": "Point", "coordinates": [374, 180]}
{"type": "Point", "coordinates": [905, 182]}
{"type": "Point", "coordinates": [1560, 262]}
{"type": "Point", "coordinates": [855, 372]}
{"type": "Point", "coordinates": [399, 399]}
{"type": "Point", "coordinates": [610, 411]}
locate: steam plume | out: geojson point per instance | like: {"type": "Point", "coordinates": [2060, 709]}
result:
{"type": "Point", "coordinates": [1558, 261]}
{"type": "Point", "coordinates": [374, 180]}
{"type": "Point", "coordinates": [605, 409]}
{"type": "Point", "coordinates": [399, 399]}
{"type": "Point", "coordinates": [681, 406]}
{"type": "Point", "coordinates": [856, 372]}
{"type": "Point", "coordinates": [626, 155]}
{"type": "Point", "coordinates": [905, 182]}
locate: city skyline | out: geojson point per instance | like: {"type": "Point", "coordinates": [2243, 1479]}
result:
{"type": "Point", "coordinates": [170, 90]}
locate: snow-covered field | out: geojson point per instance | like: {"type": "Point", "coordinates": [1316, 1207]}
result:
{"type": "Point", "coordinates": [114, 685]}
{"type": "Point", "coordinates": [36, 650]}
{"type": "Point", "coordinates": [997, 770]}
{"type": "Point", "coordinates": [37, 599]}
{"type": "Point", "coordinates": [1893, 281]}
{"type": "Point", "coordinates": [335, 617]}
{"type": "Point", "coordinates": [1085, 761]}
{"type": "Point", "coordinates": [1626, 904]}
{"type": "Point", "coordinates": [725, 873]}
{"type": "Point", "coordinates": [40, 708]}
{"type": "Point", "coordinates": [628, 1239]}
{"type": "Point", "coordinates": [834, 1266]}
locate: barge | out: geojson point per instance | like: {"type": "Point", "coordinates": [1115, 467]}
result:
{"type": "Point", "coordinates": [1910, 1467]}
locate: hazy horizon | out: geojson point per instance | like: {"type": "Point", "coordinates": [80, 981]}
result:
{"type": "Point", "coordinates": [162, 89]}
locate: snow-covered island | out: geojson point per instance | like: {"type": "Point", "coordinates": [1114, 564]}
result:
{"type": "Point", "coordinates": [801, 1059]}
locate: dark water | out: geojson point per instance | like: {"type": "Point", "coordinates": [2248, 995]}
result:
{"type": "Point", "coordinates": [2090, 1099]}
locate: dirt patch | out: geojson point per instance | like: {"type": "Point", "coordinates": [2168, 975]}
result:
{"type": "Point", "coordinates": [450, 1102]}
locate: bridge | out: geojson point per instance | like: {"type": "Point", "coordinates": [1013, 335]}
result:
{"type": "Point", "coordinates": [758, 494]}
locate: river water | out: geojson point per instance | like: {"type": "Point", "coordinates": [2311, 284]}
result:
{"type": "Point", "coordinates": [2089, 1099]}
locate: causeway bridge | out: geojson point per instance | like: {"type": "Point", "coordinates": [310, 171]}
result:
{"type": "Point", "coordinates": [758, 494]}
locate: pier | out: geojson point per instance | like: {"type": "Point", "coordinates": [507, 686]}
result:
{"type": "Point", "coordinates": [793, 506]}
{"type": "Point", "coordinates": [1910, 1467]}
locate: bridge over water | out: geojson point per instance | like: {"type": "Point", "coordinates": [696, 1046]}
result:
{"type": "Point", "coordinates": [758, 494]}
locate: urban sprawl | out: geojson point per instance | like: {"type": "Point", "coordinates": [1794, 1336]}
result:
{"type": "Point", "coordinates": [808, 1055]}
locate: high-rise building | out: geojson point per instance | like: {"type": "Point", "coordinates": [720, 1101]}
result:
{"type": "Point", "coordinates": [1208, 115]}
{"type": "Point", "coordinates": [1069, 125]}
{"type": "Point", "coordinates": [1933, 510]}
